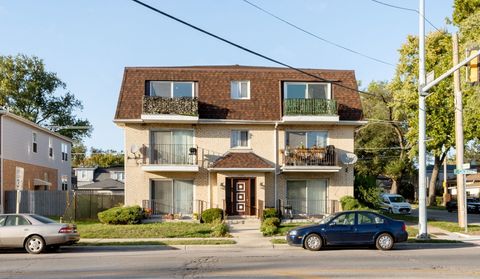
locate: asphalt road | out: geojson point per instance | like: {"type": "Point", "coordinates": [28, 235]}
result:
{"type": "Point", "coordinates": [444, 215]}
{"type": "Point", "coordinates": [406, 261]}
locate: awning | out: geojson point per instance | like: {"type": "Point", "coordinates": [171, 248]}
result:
{"type": "Point", "coordinates": [39, 182]}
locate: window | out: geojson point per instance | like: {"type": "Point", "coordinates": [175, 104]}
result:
{"type": "Point", "coordinates": [239, 139]}
{"type": "Point", "coordinates": [15, 220]}
{"type": "Point", "coordinates": [345, 219]}
{"type": "Point", "coordinates": [172, 196]}
{"type": "Point", "coordinates": [240, 89]}
{"type": "Point", "coordinates": [50, 148]}
{"type": "Point", "coordinates": [64, 152]}
{"type": "Point", "coordinates": [64, 183]}
{"type": "Point", "coordinates": [307, 196]}
{"type": "Point", "coordinates": [171, 89]}
{"type": "Point", "coordinates": [304, 90]}
{"type": "Point", "coordinates": [34, 142]}
{"type": "Point", "coordinates": [307, 139]}
{"type": "Point", "coordinates": [172, 147]}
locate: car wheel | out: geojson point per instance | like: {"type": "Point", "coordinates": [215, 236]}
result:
{"type": "Point", "coordinates": [35, 244]}
{"type": "Point", "coordinates": [313, 242]}
{"type": "Point", "coordinates": [384, 242]}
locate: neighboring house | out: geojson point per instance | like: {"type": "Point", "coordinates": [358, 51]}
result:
{"type": "Point", "coordinates": [472, 186]}
{"type": "Point", "coordinates": [29, 151]}
{"type": "Point", "coordinates": [238, 138]}
{"type": "Point", "coordinates": [100, 180]}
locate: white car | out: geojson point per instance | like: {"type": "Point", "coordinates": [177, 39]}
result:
{"type": "Point", "coordinates": [396, 204]}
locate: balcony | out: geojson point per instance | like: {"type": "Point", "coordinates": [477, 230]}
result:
{"type": "Point", "coordinates": [310, 110]}
{"type": "Point", "coordinates": [173, 110]}
{"type": "Point", "coordinates": [315, 159]}
{"type": "Point", "coordinates": [170, 158]}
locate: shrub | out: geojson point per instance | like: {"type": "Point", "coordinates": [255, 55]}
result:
{"type": "Point", "coordinates": [269, 213]}
{"type": "Point", "coordinates": [350, 203]}
{"type": "Point", "coordinates": [212, 214]}
{"type": "Point", "coordinates": [122, 215]}
{"type": "Point", "coordinates": [219, 228]}
{"type": "Point", "coordinates": [270, 226]}
{"type": "Point", "coordinates": [367, 192]}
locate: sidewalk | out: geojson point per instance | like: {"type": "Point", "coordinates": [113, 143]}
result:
{"type": "Point", "coordinates": [246, 232]}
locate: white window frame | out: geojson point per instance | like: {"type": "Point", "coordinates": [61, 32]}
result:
{"type": "Point", "coordinates": [232, 146]}
{"type": "Point", "coordinates": [64, 152]}
{"type": "Point", "coordinates": [285, 90]}
{"type": "Point", "coordinates": [34, 142]}
{"type": "Point", "coordinates": [50, 148]}
{"type": "Point", "coordinates": [238, 83]}
{"type": "Point", "coordinates": [306, 135]}
{"type": "Point", "coordinates": [172, 86]}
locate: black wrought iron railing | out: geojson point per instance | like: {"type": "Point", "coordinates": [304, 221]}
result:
{"type": "Point", "coordinates": [161, 105]}
{"type": "Point", "coordinates": [310, 156]}
{"type": "Point", "coordinates": [309, 107]}
{"type": "Point", "coordinates": [308, 207]}
{"type": "Point", "coordinates": [172, 154]}
{"type": "Point", "coordinates": [161, 207]}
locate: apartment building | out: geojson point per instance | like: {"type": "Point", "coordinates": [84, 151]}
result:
{"type": "Point", "coordinates": [31, 156]}
{"type": "Point", "coordinates": [238, 138]}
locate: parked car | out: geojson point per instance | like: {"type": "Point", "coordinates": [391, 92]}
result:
{"type": "Point", "coordinates": [362, 228]}
{"type": "Point", "coordinates": [35, 233]}
{"type": "Point", "coordinates": [395, 204]}
{"type": "Point", "coordinates": [473, 205]}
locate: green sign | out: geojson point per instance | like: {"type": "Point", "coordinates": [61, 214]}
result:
{"type": "Point", "coordinates": [470, 171]}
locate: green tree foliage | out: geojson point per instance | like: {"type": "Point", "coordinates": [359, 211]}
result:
{"type": "Point", "coordinates": [29, 90]}
{"type": "Point", "coordinates": [381, 144]}
{"type": "Point", "coordinates": [98, 157]}
{"type": "Point", "coordinates": [440, 104]}
{"type": "Point", "coordinates": [366, 191]}
{"type": "Point", "coordinates": [463, 9]}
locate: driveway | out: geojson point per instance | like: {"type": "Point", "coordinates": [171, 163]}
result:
{"type": "Point", "coordinates": [444, 215]}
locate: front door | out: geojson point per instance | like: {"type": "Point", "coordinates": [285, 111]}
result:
{"type": "Point", "coordinates": [240, 196]}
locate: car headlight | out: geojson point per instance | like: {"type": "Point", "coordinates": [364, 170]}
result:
{"type": "Point", "coordinates": [293, 232]}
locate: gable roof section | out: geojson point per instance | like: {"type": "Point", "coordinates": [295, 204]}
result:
{"type": "Point", "coordinates": [241, 160]}
{"type": "Point", "coordinates": [265, 102]}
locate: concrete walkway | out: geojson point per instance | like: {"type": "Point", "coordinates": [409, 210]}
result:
{"type": "Point", "coordinates": [246, 232]}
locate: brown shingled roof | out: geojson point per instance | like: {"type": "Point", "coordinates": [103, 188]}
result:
{"type": "Point", "coordinates": [214, 99]}
{"type": "Point", "coordinates": [244, 160]}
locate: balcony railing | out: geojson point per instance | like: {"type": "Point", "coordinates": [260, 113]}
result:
{"type": "Point", "coordinates": [171, 154]}
{"type": "Point", "coordinates": [316, 107]}
{"type": "Point", "coordinates": [161, 105]}
{"type": "Point", "coordinates": [307, 207]}
{"type": "Point", "coordinates": [160, 207]}
{"type": "Point", "coordinates": [317, 156]}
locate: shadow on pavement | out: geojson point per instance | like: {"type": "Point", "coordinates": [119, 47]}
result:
{"type": "Point", "coordinates": [90, 249]}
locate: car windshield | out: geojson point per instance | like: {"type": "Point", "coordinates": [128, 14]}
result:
{"type": "Point", "coordinates": [327, 219]}
{"type": "Point", "coordinates": [42, 219]}
{"type": "Point", "coordinates": [396, 199]}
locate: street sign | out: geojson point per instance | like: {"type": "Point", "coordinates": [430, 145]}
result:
{"type": "Point", "coordinates": [19, 172]}
{"type": "Point", "coordinates": [466, 166]}
{"type": "Point", "coordinates": [470, 171]}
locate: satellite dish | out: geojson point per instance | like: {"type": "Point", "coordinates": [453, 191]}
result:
{"type": "Point", "coordinates": [348, 158]}
{"type": "Point", "coordinates": [134, 148]}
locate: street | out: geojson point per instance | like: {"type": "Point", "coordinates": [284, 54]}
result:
{"type": "Point", "coordinates": [444, 215]}
{"type": "Point", "coordinates": [406, 260]}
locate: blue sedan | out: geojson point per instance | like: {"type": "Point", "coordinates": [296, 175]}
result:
{"type": "Point", "coordinates": [362, 228]}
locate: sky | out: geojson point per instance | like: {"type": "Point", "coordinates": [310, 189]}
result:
{"type": "Point", "coordinates": [88, 43]}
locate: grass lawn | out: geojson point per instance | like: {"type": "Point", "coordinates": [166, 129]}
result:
{"type": "Point", "coordinates": [163, 243]}
{"type": "Point", "coordinates": [153, 230]}
{"type": "Point", "coordinates": [453, 227]}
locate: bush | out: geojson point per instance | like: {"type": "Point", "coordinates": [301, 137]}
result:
{"type": "Point", "coordinates": [367, 192]}
{"type": "Point", "coordinates": [212, 214]}
{"type": "Point", "coordinates": [122, 215]}
{"type": "Point", "coordinates": [219, 228]}
{"type": "Point", "coordinates": [269, 213]}
{"type": "Point", "coordinates": [270, 226]}
{"type": "Point", "coordinates": [350, 203]}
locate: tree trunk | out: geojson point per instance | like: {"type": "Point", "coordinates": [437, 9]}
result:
{"type": "Point", "coordinates": [394, 188]}
{"type": "Point", "coordinates": [433, 181]}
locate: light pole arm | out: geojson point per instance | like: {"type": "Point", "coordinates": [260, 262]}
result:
{"type": "Point", "coordinates": [431, 84]}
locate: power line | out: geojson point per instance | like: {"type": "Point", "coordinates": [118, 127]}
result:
{"type": "Point", "coordinates": [406, 9]}
{"type": "Point", "coordinates": [248, 50]}
{"type": "Point", "coordinates": [317, 36]}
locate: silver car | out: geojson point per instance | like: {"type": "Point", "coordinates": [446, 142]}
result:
{"type": "Point", "coordinates": [35, 233]}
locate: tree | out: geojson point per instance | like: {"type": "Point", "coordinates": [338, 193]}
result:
{"type": "Point", "coordinates": [463, 9]}
{"type": "Point", "coordinates": [381, 145]}
{"type": "Point", "coordinates": [98, 157]}
{"type": "Point", "coordinates": [29, 90]}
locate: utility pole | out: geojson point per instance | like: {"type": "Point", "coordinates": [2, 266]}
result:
{"type": "Point", "coordinates": [445, 177]}
{"type": "Point", "coordinates": [461, 197]}
{"type": "Point", "coordinates": [422, 168]}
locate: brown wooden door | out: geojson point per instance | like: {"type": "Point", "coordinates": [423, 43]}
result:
{"type": "Point", "coordinates": [238, 196]}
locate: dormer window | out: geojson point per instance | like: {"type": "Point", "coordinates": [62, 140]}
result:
{"type": "Point", "coordinates": [307, 90]}
{"type": "Point", "coordinates": [240, 89]}
{"type": "Point", "coordinates": [171, 89]}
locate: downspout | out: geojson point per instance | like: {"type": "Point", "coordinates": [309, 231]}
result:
{"type": "Point", "coordinates": [275, 150]}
